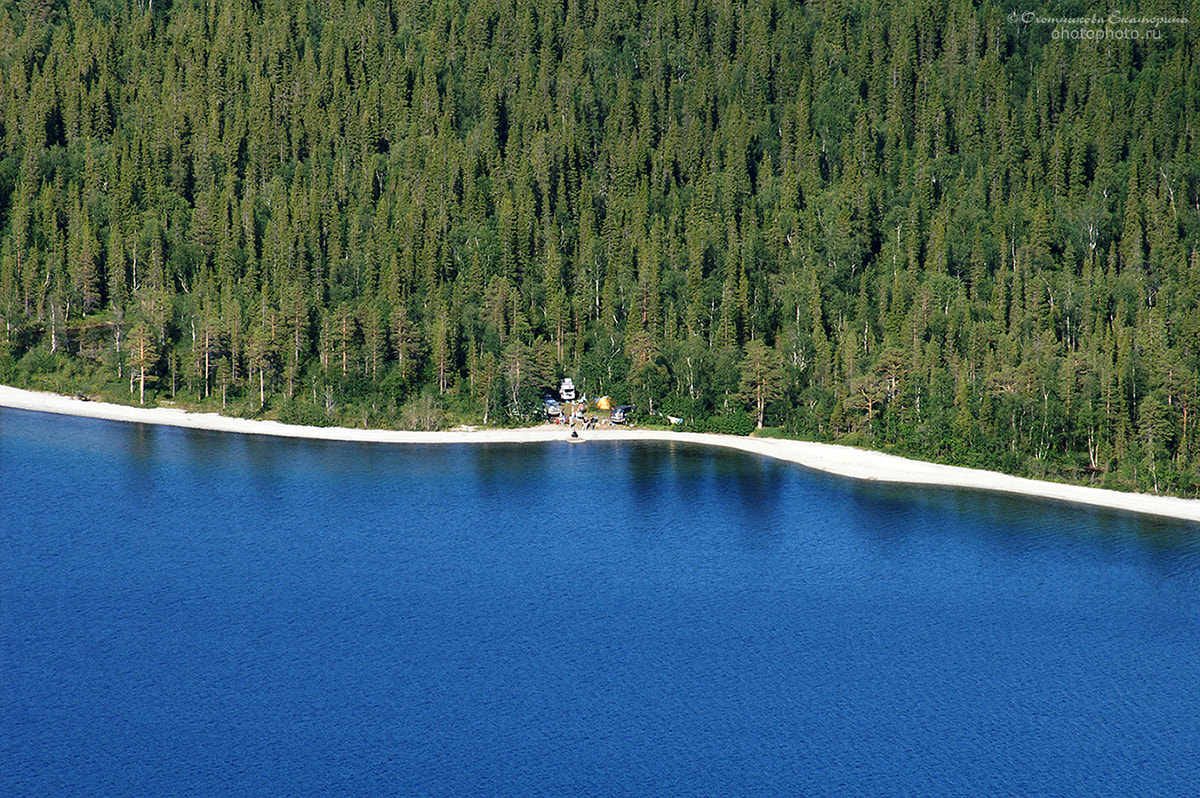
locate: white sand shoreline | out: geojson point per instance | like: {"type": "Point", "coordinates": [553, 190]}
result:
{"type": "Point", "coordinates": [831, 458]}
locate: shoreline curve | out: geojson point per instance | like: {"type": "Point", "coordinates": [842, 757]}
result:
{"type": "Point", "coordinates": [831, 458]}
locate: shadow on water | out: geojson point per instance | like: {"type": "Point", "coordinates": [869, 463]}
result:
{"type": "Point", "coordinates": [689, 480]}
{"type": "Point", "coordinates": [668, 485]}
{"type": "Point", "coordinates": [501, 465]}
{"type": "Point", "coordinates": [895, 515]}
{"type": "Point", "coordinates": [671, 488]}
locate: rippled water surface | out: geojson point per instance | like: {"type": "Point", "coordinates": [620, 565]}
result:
{"type": "Point", "coordinates": [193, 613]}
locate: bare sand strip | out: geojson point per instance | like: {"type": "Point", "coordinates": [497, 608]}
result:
{"type": "Point", "coordinates": [841, 460]}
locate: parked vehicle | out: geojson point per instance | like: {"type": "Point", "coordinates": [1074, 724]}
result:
{"type": "Point", "coordinates": [566, 391]}
{"type": "Point", "coordinates": [621, 414]}
{"type": "Point", "coordinates": [552, 407]}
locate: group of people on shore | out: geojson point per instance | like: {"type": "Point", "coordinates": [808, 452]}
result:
{"type": "Point", "coordinates": [585, 422]}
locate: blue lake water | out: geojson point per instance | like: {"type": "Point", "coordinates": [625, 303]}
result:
{"type": "Point", "coordinates": [192, 613]}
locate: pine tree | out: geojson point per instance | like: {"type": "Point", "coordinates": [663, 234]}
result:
{"type": "Point", "coordinates": [144, 354]}
{"type": "Point", "coordinates": [761, 380]}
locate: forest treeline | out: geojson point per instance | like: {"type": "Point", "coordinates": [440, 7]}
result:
{"type": "Point", "coordinates": [942, 228]}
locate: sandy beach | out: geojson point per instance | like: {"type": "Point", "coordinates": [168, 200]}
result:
{"type": "Point", "coordinates": [841, 460]}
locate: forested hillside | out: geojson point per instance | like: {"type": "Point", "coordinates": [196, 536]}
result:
{"type": "Point", "coordinates": [956, 230]}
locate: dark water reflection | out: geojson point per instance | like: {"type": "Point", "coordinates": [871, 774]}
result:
{"type": "Point", "coordinates": [1015, 526]}
{"type": "Point", "coordinates": [184, 612]}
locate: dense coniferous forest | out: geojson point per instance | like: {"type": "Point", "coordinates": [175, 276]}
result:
{"type": "Point", "coordinates": [951, 229]}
